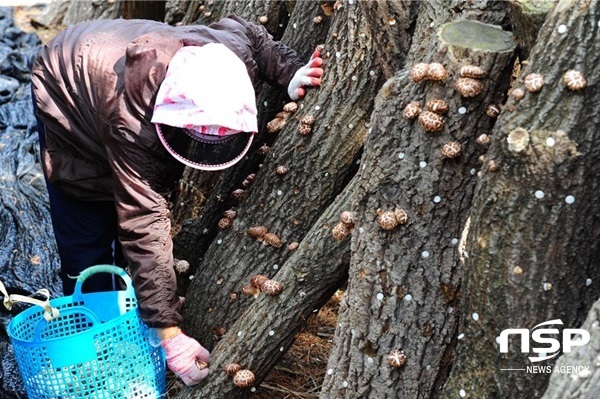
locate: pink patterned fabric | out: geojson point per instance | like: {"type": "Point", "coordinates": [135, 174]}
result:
{"type": "Point", "coordinates": [181, 353]}
{"type": "Point", "coordinates": [207, 89]}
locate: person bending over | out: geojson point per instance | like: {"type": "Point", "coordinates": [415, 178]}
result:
{"type": "Point", "coordinates": [122, 107]}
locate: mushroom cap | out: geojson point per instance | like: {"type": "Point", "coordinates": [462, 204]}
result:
{"type": "Point", "coordinates": [225, 223]}
{"type": "Point", "coordinates": [291, 107]}
{"type": "Point", "coordinates": [387, 220]}
{"type": "Point", "coordinates": [347, 218]}
{"type": "Point", "coordinates": [534, 82]}
{"type": "Point", "coordinates": [276, 125]}
{"type": "Point", "coordinates": [517, 93]}
{"type": "Point", "coordinates": [437, 105]}
{"type": "Point", "coordinates": [237, 193]}
{"type": "Point", "coordinates": [308, 120]}
{"type": "Point", "coordinates": [451, 149]}
{"type": "Point", "coordinates": [419, 72]}
{"type": "Point", "coordinates": [230, 214]}
{"type": "Point", "coordinates": [431, 121]}
{"type": "Point", "coordinates": [401, 216]}
{"type": "Point", "coordinates": [258, 280]}
{"type": "Point", "coordinates": [412, 110]}
{"type": "Point", "coordinates": [340, 231]}
{"type": "Point", "coordinates": [396, 358]}
{"type": "Point", "coordinates": [436, 71]}
{"type": "Point", "coordinates": [281, 170]}
{"type": "Point", "coordinates": [257, 231]}
{"type": "Point", "coordinates": [272, 239]}
{"type": "Point", "coordinates": [250, 290]}
{"type": "Point", "coordinates": [471, 71]}
{"type": "Point", "coordinates": [468, 87]}
{"type": "Point", "coordinates": [232, 368]}
{"type": "Point", "coordinates": [271, 287]}
{"type": "Point", "coordinates": [293, 246]}
{"type": "Point", "coordinates": [574, 80]}
{"type": "Point", "coordinates": [243, 378]}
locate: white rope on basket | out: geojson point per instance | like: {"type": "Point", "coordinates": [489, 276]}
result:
{"type": "Point", "coordinates": [50, 313]}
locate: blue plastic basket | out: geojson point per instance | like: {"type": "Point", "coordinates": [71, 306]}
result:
{"type": "Point", "coordinates": [97, 348]}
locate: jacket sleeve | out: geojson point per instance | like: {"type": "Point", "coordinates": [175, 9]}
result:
{"type": "Point", "coordinates": [277, 63]}
{"type": "Point", "coordinates": [144, 233]}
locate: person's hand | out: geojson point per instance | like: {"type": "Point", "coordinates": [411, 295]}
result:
{"type": "Point", "coordinates": [184, 357]}
{"type": "Point", "coordinates": [309, 75]}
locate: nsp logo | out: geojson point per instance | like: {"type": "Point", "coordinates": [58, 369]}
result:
{"type": "Point", "coordinates": [571, 337]}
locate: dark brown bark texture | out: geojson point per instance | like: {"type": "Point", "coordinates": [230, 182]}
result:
{"type": "Point", "coordinates": [586, 383]}
{"type": "Point", "coordinates": [67, 13]}
{"type": "Point", "coordinates": [534, 238]}
{"type": "Point", "coordinates": [200, 231]}
{"type": "Point", "coordinates": [141, 9]}
{"type": "Point", "coordinates": [404, 284]}
{"type": "Point", "coordinates": [266, 329]}
{"type": "Point", "coordinates": [289, 205]}
{"type": "Point", "coordinates": [527, 16]}
{"type": "Point", "coordinates": [198, 234]}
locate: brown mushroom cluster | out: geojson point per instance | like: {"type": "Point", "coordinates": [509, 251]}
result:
{"type": "Point", "coordinates": [261, 283]}
{"type": "Point", "coordinates": [534, 82]}
{"type": "Point", "coordinates": [431, 119]}
{"type": "Point", "coordinates": [434, 72]}
{"type": "Point", "coordinates": [237, 194]}
{"type": "Point", "coordinates": [261, 233]}
{"type": "Point", "coordinates": [227, 220]}
{"type": "Point", "coordinates": [249, 180]}
{"type": "Point", "coordinates": [242, 378]}
{"type": "Point", "coordinates": [278, 123]}
{"type": "Point", "coordinates": [306, 125]}
{"type": "Point", "coordinates": [344, 228]}
{"type": "Point", "coordinates": [469, 83]}
{"type": "Point", "coordinates": [389, 220]}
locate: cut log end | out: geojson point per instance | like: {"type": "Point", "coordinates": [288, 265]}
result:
{"type": "Point", "coordinates": [532, 7]}
{"type": "Point", "coordinates": [477, 36]}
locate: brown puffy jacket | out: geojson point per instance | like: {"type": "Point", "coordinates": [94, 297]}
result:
{"type": "Point", "coordinates": [95, 86]}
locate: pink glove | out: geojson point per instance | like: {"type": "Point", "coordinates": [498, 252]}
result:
{"type": "Point", "coordinates": [309, 75]}
{"type": "Point", "coordinates": [182, 352]}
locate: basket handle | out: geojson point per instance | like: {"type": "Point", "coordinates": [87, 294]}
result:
{"type": "Point", "coordinates": [116, 270]}
{"type": "Point", "coordinates": [50, 313]}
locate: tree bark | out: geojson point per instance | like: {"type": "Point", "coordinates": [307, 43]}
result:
{"type": "Point", "coordinates": [585, 383]}
{"type": "Point", "coordinates": [140, 9]}
{"type": "Point", "coordinates": [67, 13]}
{"type": "Point", "coordinates": [198, 234]}
{"type": "Point", "coordinates": [267, 328]}
{"type": "Point", "coordinates": [80, 11]}
{"type": "Point", "coordinates": [202, 185]}
{"type": "Point", "coordinates": [289, 205]}
{"type": "Point", "coordinates": [533, 241]}
{"type": "Point", "coordinates": [391, 23]}
{"type": "Point", "coordinates": [404, 284]}
{"type": "Point", "coordinates": [527, 17]}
